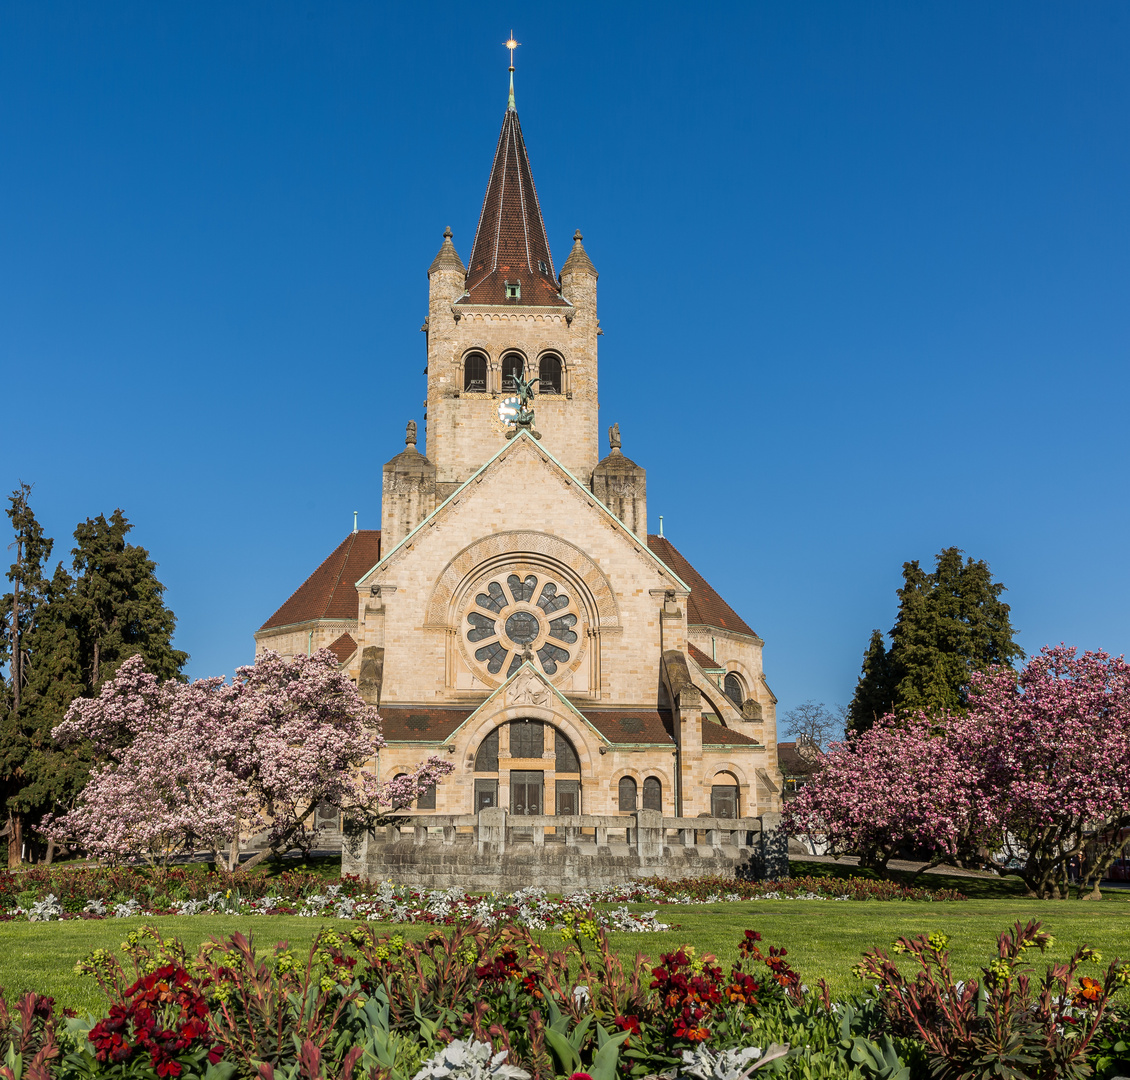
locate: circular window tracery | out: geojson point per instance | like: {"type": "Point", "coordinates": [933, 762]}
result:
{"type": "Point", "coordinates": [522, 616]}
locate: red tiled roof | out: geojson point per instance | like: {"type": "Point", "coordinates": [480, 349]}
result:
{"type": "Point", "coordinates": [717, 735]}
{"type": "Point", "coordinates": [328, 593]}
{"type": "Point", "coordinates": [792, 762]}
{"type": "Point", "coordinates": [704, 606]}
{"type": "Point", "coordinates": [700, 658]}
{"type": "Point", "coordinates": [632, 725]}
{"type": "Point", "coordinates": [343, 648]}
{"type": "Point", "coordinates": [420, 725]}
{"type": "Point", "coordinates": [510, 241]}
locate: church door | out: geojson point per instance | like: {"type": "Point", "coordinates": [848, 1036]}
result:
{"type": "Point", "coordinates": [525, 792]}
{"type": "Point", "coordinates": [568, 797]}
{"type": "Point", "coordinates": [724, 801]}
{"type": "Point", "coordinates": [486, 794]}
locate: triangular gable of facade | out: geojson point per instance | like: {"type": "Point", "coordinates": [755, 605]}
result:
{"type": "Point", "coordinates": [523, 440]}
{"type": "Point", "coordinates": [501, 694]}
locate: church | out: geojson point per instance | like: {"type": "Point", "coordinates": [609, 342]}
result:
{"type": "Point", "coordinates": [513, 611]}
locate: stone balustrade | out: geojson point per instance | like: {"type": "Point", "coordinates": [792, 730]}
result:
{"type": "Point", "coordinates": [562, 851]}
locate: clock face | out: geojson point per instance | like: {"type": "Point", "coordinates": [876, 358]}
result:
{"type": "Point", "coordinates": [508, 409]}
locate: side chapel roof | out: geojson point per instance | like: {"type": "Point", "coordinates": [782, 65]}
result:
{"type": "Point", "coordinates": [704, 606]}
{"type": "Point", "coordinates": [699, 657]}
{"type": "Point", "coordinates": [510, 241]}
{"type": "Point", "coordinates": [329, 592]}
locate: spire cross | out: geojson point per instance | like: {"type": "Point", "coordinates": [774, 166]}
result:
{"type": "Point", "coordinates": [511, 45]}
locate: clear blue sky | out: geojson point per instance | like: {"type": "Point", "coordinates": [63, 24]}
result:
{"type": "Point", "coordinates": [865, 276]}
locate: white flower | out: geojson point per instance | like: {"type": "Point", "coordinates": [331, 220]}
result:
{"type": "Point", "coordinates": [461, 1060]}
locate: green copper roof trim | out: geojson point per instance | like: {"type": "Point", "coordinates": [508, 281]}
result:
{"type": "Point", "coordinates": [510, 103]}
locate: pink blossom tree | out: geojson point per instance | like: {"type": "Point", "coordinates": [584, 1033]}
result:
{"type": "Point", "coordinates": [1053, 747]}
{"type": "Point", "coordinates": [899, 784]}
{"type": "Point", "coordinates": [189, 766]}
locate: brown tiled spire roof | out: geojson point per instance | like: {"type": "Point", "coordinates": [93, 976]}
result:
{"type": "Point", "coordinates": [328, 593]}
{"type": "Point", "coordinates": [510, 241]}
{"type": "Point", "coordinates": [704, 606]}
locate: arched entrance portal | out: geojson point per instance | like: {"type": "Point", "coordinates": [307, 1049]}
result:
{"type": "Point", "coordinates": [530, 767]}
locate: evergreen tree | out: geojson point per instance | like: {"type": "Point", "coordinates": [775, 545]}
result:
{"type": "Point", "coordinates": [73, 638]}
{"type": "Point", "coordinates": [875, 692]}
{"type": "Point", "coordinates": [118, 604]}
{"type": "Point", "coordinates": [950, 624]}
{"type": "Point", "coordinates": [21, 612]}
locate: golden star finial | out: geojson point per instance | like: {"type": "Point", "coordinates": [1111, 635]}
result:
{"type": "Point", "coordinates": [511, 45]}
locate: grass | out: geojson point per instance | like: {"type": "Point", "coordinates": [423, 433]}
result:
{"type": "Point", "coordinates": [824, 938]}
{"type": "Point", "coordinates": [976, 888]}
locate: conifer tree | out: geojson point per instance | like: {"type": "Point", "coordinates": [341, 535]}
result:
{"type": "Point", "coordinates": [118, 604]}
{"type": "Point", "coordinates": [20, 611]}
{"type": "Point", "coordinates": [74, 634]}
{"type": "Point", "coordinates": [950, 624]}
{"type": "Point", "coordinates": [875, 692]}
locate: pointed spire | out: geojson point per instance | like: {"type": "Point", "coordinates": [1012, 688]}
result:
{"type": "Point", "coordinates": [510, 260]}
{"type": "Point", "coordinates": [447, 258]}
{"type": "Point", "coordinates": [578, 258]}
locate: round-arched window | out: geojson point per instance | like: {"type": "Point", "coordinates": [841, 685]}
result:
{"type": "Point", "coordinates": [653, 793]}
{"type": "Point", "coordinates": [549, 374]}
{"type": "Point", "coordinates": [627, 793]}
{"type": "Point", "coordinates": [513, 365]}
{"type": "Point", "coordinates": [734, 689]}
{"type": "Point", "coordinates": [475, 374]}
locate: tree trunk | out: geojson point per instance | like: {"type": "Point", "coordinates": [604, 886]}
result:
{"type": "Point", "coordinates": [254, 861]}
{"type": "Point", "coordinates": [233, 855]}
{"type": "Point", "coordinates": [49, 858]}
{"type": "Point", "coordinates": [16, 667]}
{"type": "Point", "coordinates": [15, 841]}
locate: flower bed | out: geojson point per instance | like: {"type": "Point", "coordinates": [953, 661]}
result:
{"type": "Point", "coordinates": [44, 894]}
{"type": "Point", "coordinates": [491, 1003]}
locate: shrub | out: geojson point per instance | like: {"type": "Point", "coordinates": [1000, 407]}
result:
{"type": "Point", "coordinates": [1007, 1024]}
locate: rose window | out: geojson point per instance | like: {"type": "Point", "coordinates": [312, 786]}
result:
{"type": "Point", "coordinates": [517, 617]}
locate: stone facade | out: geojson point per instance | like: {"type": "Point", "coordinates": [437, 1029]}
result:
{"type": "Point", "coordinates": [513, 614]}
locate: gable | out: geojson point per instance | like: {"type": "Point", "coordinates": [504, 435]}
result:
{"type": "Point", "coordinates": [523, 488]}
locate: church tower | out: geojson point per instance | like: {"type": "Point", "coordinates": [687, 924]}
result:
{"type": "Point", "coordinates": [507, 312]}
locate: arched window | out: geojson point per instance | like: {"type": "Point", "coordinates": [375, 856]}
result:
{"type": "Point", "coordinates": [653, 794]}
{"type": "Point", "coordinates": [627, 795]}
{"type": "Point", "coordinates": [566, 757]}
{"type": "Point", "coordinates": [527, 738]}
{"type": "Point", "coordinates": [724, 798]}
{"type": "Point", "coordinates": [486, 759]}
{"type": "Point", "coordinates": [475, 374]}
{"type": "Point", "coordinates": [549, 374]}
{"type": "Point", "coordinates": [734, 689]}
{"type": "Point", "coordinates": [512, 364]}
{"type": "Point", "coordinates": [427, 798]}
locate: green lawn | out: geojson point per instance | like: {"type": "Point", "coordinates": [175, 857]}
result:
{"type": "Point", "coordinates": [824, 938]}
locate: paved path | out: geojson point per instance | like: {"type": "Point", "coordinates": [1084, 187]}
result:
{"type": "Point", "coordinates": [896, 864]}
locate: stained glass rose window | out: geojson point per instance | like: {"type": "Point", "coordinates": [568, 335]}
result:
{"type": "Point", "coordinates": [517, 616]}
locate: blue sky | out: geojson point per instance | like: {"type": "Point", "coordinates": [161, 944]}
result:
{"type": "Point", "coordinates": [864, 285]}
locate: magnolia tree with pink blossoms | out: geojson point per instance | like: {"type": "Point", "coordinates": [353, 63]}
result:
{"type": "Point", "coordinates": [1037, 770]}
{"type": "Point", "coordinates": [898, 785]}
{"type": "Point", "coordinates": [1052, 745]}
{"type": "Point", "coordinates": [188, 766]}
